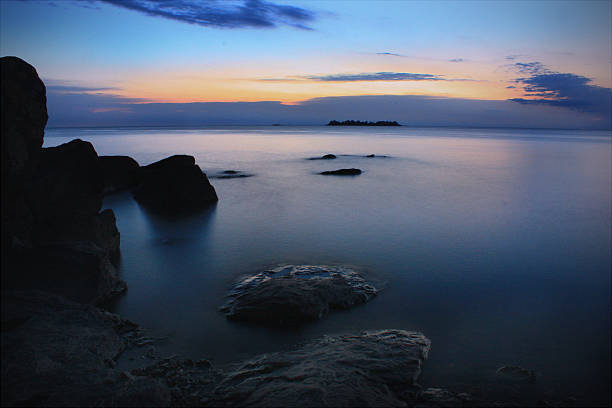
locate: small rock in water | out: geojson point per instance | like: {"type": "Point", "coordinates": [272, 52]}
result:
{"type": "Point", "coordinates": [342, 172]}
{"type": "Point", "coordinates": [324, 157]}
{"type": "Point", "coordinates": [291, 294]}
{"type": "Point", "coordinates": [228, 174]}
{"type": "Point", "coordinates": [516, 373]}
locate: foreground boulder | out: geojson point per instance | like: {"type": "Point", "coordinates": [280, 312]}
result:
{"type": "Point", "coordinates": [174, 184]}
{"type": "Point", "coordinates": [60, 353]}
{"type": "Point", "coordinates": [54, 236]}
{"type": "Point", "coordinates": [374, 368]}
{"type": "Point", "coordinates": [291, 295]}
{"type": "Point", "coordinates": [119, 173]}
{"type": "Point", "coordinates": [24, 116]}
{"type": "Point", "coordinates": [342, 172]}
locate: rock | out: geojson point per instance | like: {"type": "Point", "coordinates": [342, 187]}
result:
{"type": "Point", "coordinates": [56, 353]}
{"type": "Point", "coordinates": [368, 369]}
{"type": "Point", "coordinates": [324, 157]}
{"type": "Point", "coordinates": [24, 116]}
{"type": "Point", "coordinates": [175, 184]}
{"type": "Point", "coordinates": [290, 295]}
{"type": "Point", "coordinates": [516, 374]}
{"type": "Point", "coordinates": [342, 172]}
{"type": "Point", "coordinates": [229, 174]}
{"type": "Point", "coordinates": [119, 173]}
{"type": "Point", "coordinates": [68, 182]}
{"type": "Point", "coordinates": [371, 155]}
{"type": "Point", "coordinates": [52, 228]}
{"type": "Point", "coordinates": [81, 271]}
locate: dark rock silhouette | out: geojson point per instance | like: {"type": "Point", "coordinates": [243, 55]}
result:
{"type": "Point", "coordinates": [119, 172]}
{"type": "Point", "coordinates": [516, 374]}
{"type": "Point", "coordinates": [23, 119]}
{"type": "Point", "coordinates": [174, 184]}
{"type": "Point", "coordinates": [342, 172]}
{"type": "Point", "coordinates": [53, 234]}
{"type": "Point", "coordinates": [371, 369]}
{"type": "Point", "coordinates": [364, 123]}
{"type": "Point", "coordinates": [290, 295]}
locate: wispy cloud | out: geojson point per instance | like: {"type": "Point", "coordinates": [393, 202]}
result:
{"type": "Point", "coordinates": [77, 89]}
{"type": "Point", "coordinates": [377, 76]}
{"type": "Point", "coordinates": [393, 54]}
{"type": "Point", "coordinates": [222, 14]}
{"type": "Point", "coordinates": [456, 60]}
{"type": "Point", "coordinates": [365, 76]}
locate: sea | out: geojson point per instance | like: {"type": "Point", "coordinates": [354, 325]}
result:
{"type": "Point", "coordinates": [494, 243]}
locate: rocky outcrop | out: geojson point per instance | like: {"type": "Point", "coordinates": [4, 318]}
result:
{"type": "Point", "coordinates": [54, 236]}
{"type": "Point", "coordinates": [119, 173]}
{"type": "Point", "coordinates": [291, 295]}
{"type": "Point", "coordinates": [342, 172]}
{"type": "Point", "coordinates": [374, 368]}
{"type": "Point", "coordinates": [24, 116]}
{"type": "Point", "coordinates": [174, 184]}
{"type": "Point", "coordinates": [60, 353]}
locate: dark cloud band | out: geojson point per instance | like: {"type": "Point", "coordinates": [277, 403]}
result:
{"type": "Point", "coordinates": [222, 14]}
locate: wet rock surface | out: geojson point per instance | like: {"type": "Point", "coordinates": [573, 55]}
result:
{"type": "Point", "coordinates": [290, 295]}
{"type": "Point", "coordinates": [60, 353]}
{"type": "Point", "coordinates": [175, 184]}
{"type": "Point", "coordinates": [119, 173]}
{"type": "Point", "coordinates": [342, 172]}
{"type": "Point", "coordinates": [374, 368]}
{"type": "Point", "coordinates": [516, 374]}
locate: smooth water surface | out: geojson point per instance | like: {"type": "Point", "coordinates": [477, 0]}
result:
{"type": "Point", "coordinates": [493, 243]}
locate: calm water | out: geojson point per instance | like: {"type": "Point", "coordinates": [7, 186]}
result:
{"type": "Point", "coordinates": [494, 243]}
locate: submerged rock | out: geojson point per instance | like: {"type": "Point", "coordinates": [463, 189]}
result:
{"type": "Point", "coordinates": [174, 184]}
{"type": "Point", "coordinates": [119, 172]}
{"type": "Point", "coordinates": [290, 295]}
{"type": "Point", "coordinates": [342, 172]}
{"type": "Point", "coordinates": [374, 368]}
{"type": "Point", "coordinates": [229, 174]}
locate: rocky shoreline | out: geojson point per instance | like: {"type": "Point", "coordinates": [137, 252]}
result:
{"type": "Point", "coordinates": [59, 266]}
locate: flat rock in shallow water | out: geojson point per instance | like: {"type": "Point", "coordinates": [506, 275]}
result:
{"type": "Point", "coordinates": [374, 368]}
{"type": "Point", "coordinates": [342, 172]}
{"type": "Point", "coordinates": [292, 294]}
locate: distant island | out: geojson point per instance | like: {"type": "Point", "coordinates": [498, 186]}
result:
{"type": "Point", "coordinates": [365, 123]}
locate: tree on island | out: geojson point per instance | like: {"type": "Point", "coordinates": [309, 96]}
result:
{"type": "Point", "coordinates": [364, 123]}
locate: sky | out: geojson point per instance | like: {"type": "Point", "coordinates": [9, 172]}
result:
{"type": "Point", "coordinates": [185, 62]}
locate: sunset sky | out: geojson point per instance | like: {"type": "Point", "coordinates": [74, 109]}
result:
{"type": "Point", "coordinates": [111, 62]}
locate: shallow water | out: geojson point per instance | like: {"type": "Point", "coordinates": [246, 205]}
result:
{"type": "Point", "coordinates": [494, 243]}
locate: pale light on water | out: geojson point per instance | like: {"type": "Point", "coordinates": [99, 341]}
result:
{"type": "Point", "coordinates": [494, 243]}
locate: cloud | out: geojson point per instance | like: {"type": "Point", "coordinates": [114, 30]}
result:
{"type": "Point", "coordinates": [530, 67]}
{"type": "Point", "coordinates": [77, 89]}
{"type": "Point", "coordinates": [567, 90]}
{"type": "Point", "coordinates": [456, 60]}
{"type": "Point", "coordinates": [511, 87]}
{"type": "Point", "coordinates": [222, 14]}
{"type": "Point", "coordinates": [391, 54]}
{"type": "Point", "coordinates": [377, 76]}
{"type": "Point", "coordinates": [97, 109]}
